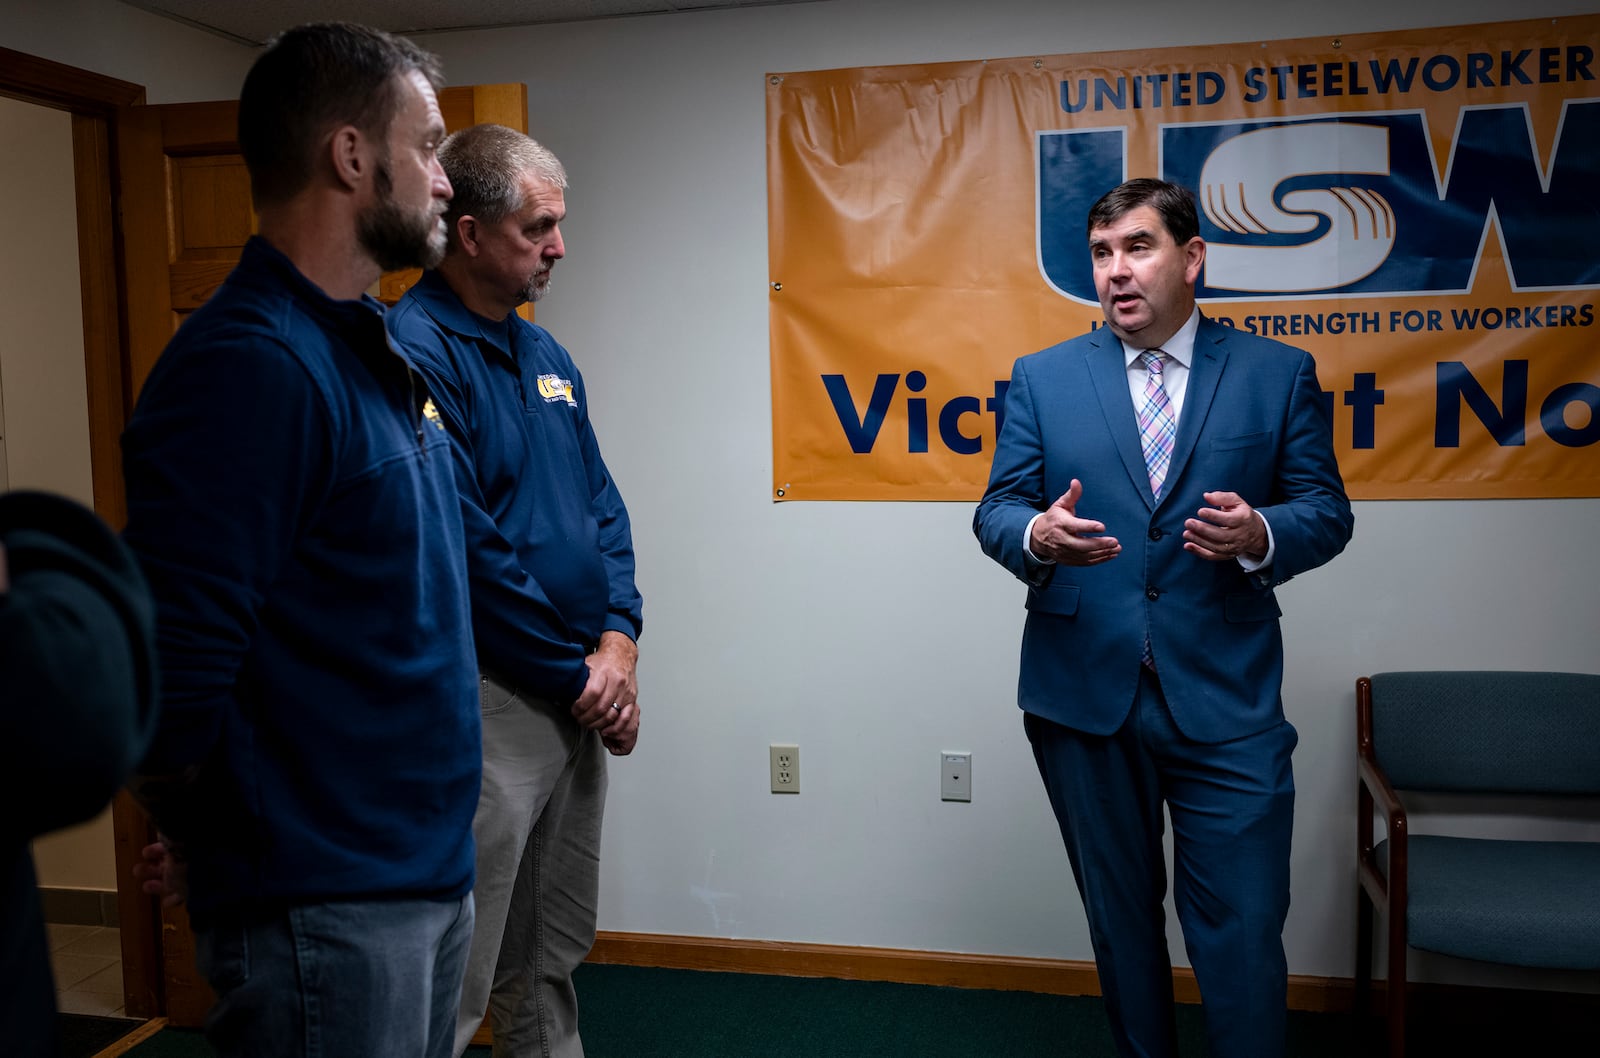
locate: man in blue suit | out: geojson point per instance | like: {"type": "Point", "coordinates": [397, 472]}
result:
{"type": "Point", "coordinates": [1152, 483]}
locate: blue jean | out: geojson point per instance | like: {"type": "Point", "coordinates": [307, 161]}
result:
{"type": "Point", "coordinates": [349, 979]}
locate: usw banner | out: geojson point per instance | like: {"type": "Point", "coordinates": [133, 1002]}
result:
{"type": "Point", "coordinates": [1420, 210]}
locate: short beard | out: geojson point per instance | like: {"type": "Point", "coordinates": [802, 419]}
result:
{"type": "Point", "coordinates": [396, 238]}
{"type": "Point", "coordinates": [533, 291]}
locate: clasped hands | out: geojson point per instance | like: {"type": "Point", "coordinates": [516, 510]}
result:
{"type": "Point", "coordinates": [609, 703]}
{"type": "Point", "coordinates": [1228, 529]}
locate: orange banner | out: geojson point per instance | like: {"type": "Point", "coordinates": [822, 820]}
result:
{"type": "Point", "coordinates": [1420, 210]}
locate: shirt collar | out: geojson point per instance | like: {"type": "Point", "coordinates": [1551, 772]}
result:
{"type": "Point", "coordinates": [1179, 347]}
{"type": "Point", "coordinates": [453, 315]}
{"type": "Point", "coordinates": [260, 259]}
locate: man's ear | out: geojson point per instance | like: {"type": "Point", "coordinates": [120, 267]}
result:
{"type": "Point", "coordinates": [1195, 259]}
{"type": "Point", "coordinates": [350, 156]}
{"type": "Point", "coordinates": [467, 234]}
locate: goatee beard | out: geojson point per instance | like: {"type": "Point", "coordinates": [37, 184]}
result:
{"type": "Point", "coordinates": [535, 289]}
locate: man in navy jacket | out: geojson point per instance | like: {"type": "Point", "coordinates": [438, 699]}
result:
{"type": "Point", "coordinates": [554, 607]}
{"type": "Point", "coordinates": [291, 501]}
{"type": "Point", "coordinates": [1151, 503]}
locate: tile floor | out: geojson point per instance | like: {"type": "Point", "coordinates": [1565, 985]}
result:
{"type": "Point", "coordinates": [88, 968]}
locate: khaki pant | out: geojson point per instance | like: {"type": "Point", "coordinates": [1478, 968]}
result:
{"type": "Point", "coordinates": [538, 833]}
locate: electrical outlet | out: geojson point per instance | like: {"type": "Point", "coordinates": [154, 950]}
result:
{"type": "Point", "coordinates": [785, 765]}
{"type": "Point", "coordinates": [955, 776]}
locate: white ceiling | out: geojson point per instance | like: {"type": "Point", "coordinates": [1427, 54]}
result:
{"type": "Point", "coordinates": [254, 23]}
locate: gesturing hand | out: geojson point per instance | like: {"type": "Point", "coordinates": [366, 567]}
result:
{"type": "Point", "coordinates": [1060, 536]}
{"type": "Point", "coordinates": [1226, 530]}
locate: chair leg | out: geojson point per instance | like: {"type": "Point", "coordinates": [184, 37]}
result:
{"type": "Point", "coordinates": [1363, 955]}
{"type": "Point", "coordinates": [1397, 998]}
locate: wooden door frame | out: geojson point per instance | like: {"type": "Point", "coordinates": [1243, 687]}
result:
{"type": "Point", "coordinates": [95, 101]}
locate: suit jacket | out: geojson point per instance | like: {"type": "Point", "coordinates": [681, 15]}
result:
{"type": "Point", "coordinates": [1254, 422]}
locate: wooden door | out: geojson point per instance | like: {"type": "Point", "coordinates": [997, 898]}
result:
{"type": "Point", "coordinates": [184, 200]}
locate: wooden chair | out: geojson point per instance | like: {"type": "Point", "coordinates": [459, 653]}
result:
{"type": "Point", "coordinates": [1525, 903]}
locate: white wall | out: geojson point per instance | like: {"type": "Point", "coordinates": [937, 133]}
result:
{"type": "Point", "coordinates": [41, 310]}
{"type": "Point", "coordinates": [43, 401]}
{"type": "Point", "coordinates": [175, 63]}
{"type": "Point", "coordinates": [876, 634]}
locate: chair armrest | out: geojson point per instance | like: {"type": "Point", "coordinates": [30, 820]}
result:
{"type": "Point", "coordinates": [1373, 778]}
{"type": "Point", "coordinates": [1384, 886]}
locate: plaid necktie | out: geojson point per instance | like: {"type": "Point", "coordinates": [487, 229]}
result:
{"type": "Point", "coordinates": [1156, 432]}
{"type": "Point", "coordinates": [1157, 428]}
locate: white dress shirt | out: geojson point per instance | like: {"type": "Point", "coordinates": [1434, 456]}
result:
{"type": "Point", "coordinates": [1175, 380]}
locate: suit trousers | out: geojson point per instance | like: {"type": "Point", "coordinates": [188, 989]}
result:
{"type": "Point", "coordinates": [538, 834]}
{"type": "Point", "coordinates": [1232, 811]}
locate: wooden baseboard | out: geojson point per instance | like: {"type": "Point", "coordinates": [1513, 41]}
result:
{"type": "Point", "coordinates": [1001, 972]}
{"type": "Point", "coordinates": [79, 907]}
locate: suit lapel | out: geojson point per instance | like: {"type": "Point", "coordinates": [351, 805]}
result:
{"type": "Point", "coordinates": [1205, 372]}
{"type": "Point", "coordinates": [1109, 374]}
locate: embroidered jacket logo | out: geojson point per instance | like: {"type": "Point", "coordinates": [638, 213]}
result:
{"type": "Point", "coordinates": [553, 388]}
{"type": "Point", "coordinates": [431, 413]}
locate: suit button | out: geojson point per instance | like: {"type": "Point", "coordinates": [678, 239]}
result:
{"type": "Point", "coordinates": [1152, 593]}
{"type": "Point", "coordinates": [1156, 532]}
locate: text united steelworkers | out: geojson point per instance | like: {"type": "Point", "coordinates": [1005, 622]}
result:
{"type": "Point", "coordinates": [1438, 73]}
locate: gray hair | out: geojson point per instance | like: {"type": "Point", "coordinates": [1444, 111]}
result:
{"type": "Point", "coordinates": [486, 165]}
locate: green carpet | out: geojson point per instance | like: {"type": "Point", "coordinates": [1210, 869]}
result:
{"type": "Point", "coordinates": [637, 1012]}
{"type": "Point", "coordinates": [633, 1012]}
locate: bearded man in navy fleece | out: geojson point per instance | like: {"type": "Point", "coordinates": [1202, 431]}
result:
{"type": "Point", "coordinates": [290, 497]}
